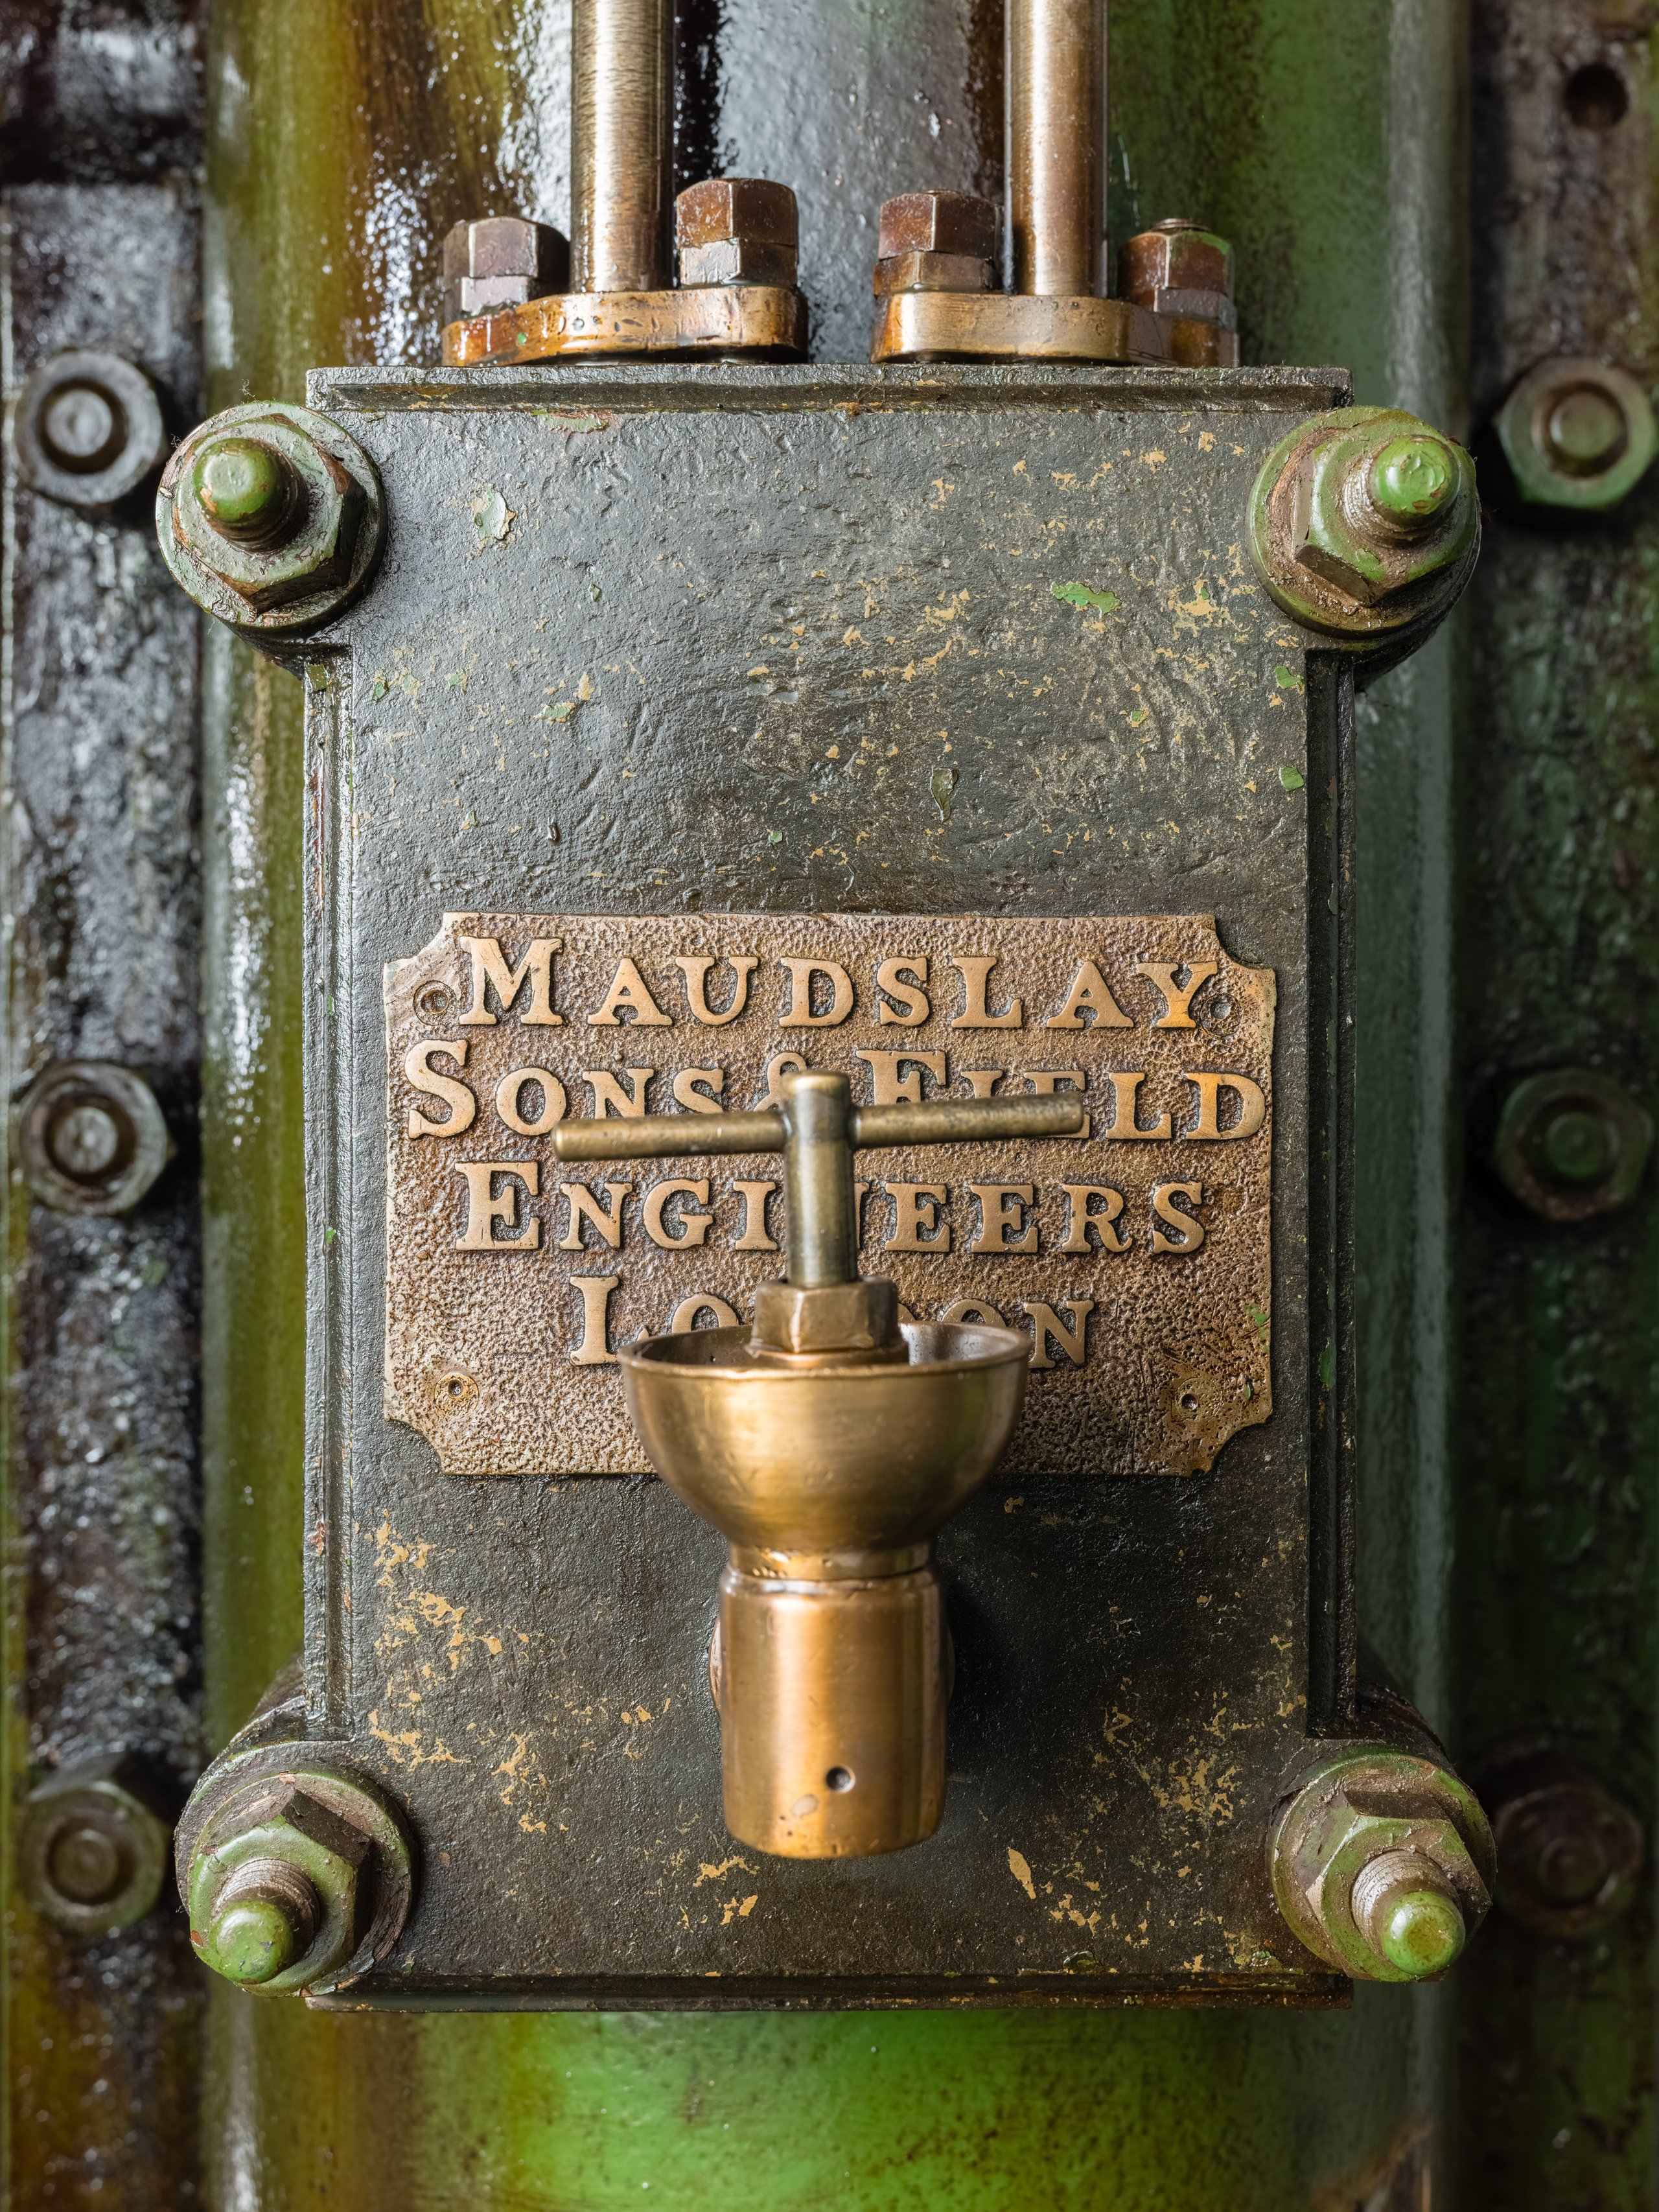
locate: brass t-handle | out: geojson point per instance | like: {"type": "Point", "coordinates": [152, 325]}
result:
{"type": "Point", "coordinates": [817, 1128]}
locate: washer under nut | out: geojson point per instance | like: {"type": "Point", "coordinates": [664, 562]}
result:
{"type": "Point", "coordinates": [270, 517]}
{"type": "Point", "coordinates": [91, 1138]}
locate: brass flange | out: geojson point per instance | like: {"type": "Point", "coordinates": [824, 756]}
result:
{"type": "Point", "coordinates": [1029, 327]}
{"type": "Point", "coordinates": [761, 321]}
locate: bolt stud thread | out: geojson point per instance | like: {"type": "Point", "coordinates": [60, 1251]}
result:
{"type": "Point", "coordinates": [251, 493]}
{"type": "Point", "coordinates": [1055, 73]}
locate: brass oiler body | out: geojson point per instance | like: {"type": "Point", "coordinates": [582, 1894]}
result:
{"type": "Point", "coordinates": [827, 1474]}
{"type": "Point", "coordinates": [827, 1446]}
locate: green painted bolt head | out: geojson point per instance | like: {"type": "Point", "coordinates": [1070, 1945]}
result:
{"type": "Point", "coordinates": [251, 1940]}
{"type": "Point", "coordinates": [1410, 480]}
{"type": "Point", "coordinates": [1421, 1931]}
{"type": "Point", "coordinates": [1576, 1145]}
{"type": "Point", "coordinates": [245, 485]}
{"type": "Point", "coordinates": [1577, 434]}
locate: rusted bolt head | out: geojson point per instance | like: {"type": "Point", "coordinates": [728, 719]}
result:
{"type": "Point", "coordinates": [1381, 1862]}
{"type": "Point", "coordinates": [270, 517]}
{"type": "Point", "coordinates": [1365, 523]}
{"type": "Point", "coordinates": [1571, 1144]}
{"type": "Point", "coordinates": [1179, 268]}
{"type": "Point", "coordinates": [938, 223]}
{"type": "Point", "coordinates": [91, 1138]}
{"type": "Point", "coordinates": [752, 208]}
{"type": "Point", "coordinates": [93, 1848]}
{"type": "Point", "coordinates": [1576, 433]}
{"type": "Point", "coordinates": [501, 261]}
{"type": "Point", "coordinates": [1568, 1852]}
{"type": "Point", "coordinates": [86, 429]}
{"type": "Point", "coordinates": [293, 1878]}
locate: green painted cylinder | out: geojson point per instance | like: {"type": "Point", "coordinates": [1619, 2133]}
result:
{"type": "Point", "coordinates": [344, 142]}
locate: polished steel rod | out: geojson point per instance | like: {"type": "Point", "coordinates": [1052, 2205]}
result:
{"type": "Point", "coordinates": [622, 103]}
{"type": "Point", "coordinates": [1056, 116]}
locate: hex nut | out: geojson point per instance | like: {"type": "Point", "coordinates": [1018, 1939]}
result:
{"type": "Point", "coordinates": [91, 1138]}
{"type": "Point", "coordinates": [1382, 1863]}
{"type": "Point", "coordinates": [938, 223]}
{"type": "Point", "coordinates": [86, 429]}
{"type": "Point", "coordinates": [1576, 433]}
{"type": "Point", "coordinates": [1179, 268]}
{"type": "Point", "coordinates": [931, 272]}
{"type": "Point", "coordinates": [1364, 524]}
{"type": "Point", "coordinates": [858, 1318]}
{"type": "Point", "coordinates": [1568, 1852]}
{"type": "Point", "coordinates": [270, 517]}
{"type": "Point", "coordinates": [296, 1878]}
{"type": "Point", "coordinates": [738, 261]}
{"type": "Point", "coordinates": [501, 261]}
{"type": "Point", "coordinates": [94, 1846]}
{"type": "Point", "coordinates": [1571, 1144]}
{"type": "Point", "coordinates": [751, 209]}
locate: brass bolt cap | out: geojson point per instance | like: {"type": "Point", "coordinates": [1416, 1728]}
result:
{"type": "Point", "coordinates": [938, 223]}
{"type": "Point", "coordinates": [1577, 434]}
{"type": "Point", "coordinates": [1571, 1144]}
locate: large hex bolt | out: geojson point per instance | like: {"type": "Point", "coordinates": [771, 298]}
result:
{"type": "Point", "coordinates": [936, 242]}
{"type": "Point", "coordinates": [1568, 1852]}
{"type": "Point", "coordinates": [1571, 1144]}
{"type": "Point", "coordinates": [91, 1138]}
{"type": "Point", "coordinates": [93, 1851]}
{"type": "Point", "coordinates": [501, 261]}
{"type": "Point", "coordinates": [1365, 523]}
{"type": "Point", "coordinates": [737, 230]}
{"type": "Point", "coordinates": [1577, 434]}
{"type": "Point", "coordinates": [86, 429]}
{"type": "Point", "coordinates": [270, 517]}
{"type": "Point", "coordinates": [295, 1878]}
{"type": "Point", "coordinates": [1382, 1864]}
{"type": "Point", "coordinates": [1179, 268]}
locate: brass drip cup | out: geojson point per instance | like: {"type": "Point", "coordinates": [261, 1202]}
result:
{"type": "Point", "coordinates": [828, 1445]}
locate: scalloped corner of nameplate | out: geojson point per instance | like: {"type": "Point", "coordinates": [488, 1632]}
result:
{"type": "Point", "coordinates": [1136, 1256]}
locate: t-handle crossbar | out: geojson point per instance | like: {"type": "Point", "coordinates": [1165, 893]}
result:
{"type": "Point", "coordinates": [817, 1128]}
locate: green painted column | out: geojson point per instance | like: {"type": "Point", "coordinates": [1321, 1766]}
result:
{"type": "Point", "coordinates": [342, 142]}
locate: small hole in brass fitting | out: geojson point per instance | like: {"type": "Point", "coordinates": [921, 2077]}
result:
{"type": "Point", "coordinates": [838, 1777]}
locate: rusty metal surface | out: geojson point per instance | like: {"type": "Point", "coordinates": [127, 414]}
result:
{"type": "Point", "coordinates": [1150, 1338]}
{"type": "Point", "coordinates": [553, 702]}
{"type": "Point", "coordinates": [101, 896]}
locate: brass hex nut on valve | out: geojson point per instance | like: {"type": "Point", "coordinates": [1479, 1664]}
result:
{"type": "Point", "coordinates": [1364, 524]}
{"type": "Point", "coordinates": [91, 1138]}
{"type": "Point", "coordinates": [294, 1879]}
{"type": "Point", "coordinates": [270, 517]}
{"type": "Point", "coordinates": [1571, 1144]}
{"type": "Point", "coordinates": [936, 241]}
{"type": "Point", "coordinates": [93, 1851]}
{"type": "Point", "coordinates": [501, 261]}
{"type": "Point", "coordinates": [737, 230]}
{"type": "Point", "coordinates": [1577, 434]}
{"type": "Point", "coordinates": [1179, 268]}
{"type": "Point", "coordinates": [1382, 1863]}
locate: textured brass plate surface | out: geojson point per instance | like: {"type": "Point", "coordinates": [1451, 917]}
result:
{"type": "Point", "coordinates": [1137, 1258]}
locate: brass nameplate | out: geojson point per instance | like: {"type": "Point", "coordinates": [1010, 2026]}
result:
{"type": "Point", "coordinates": [1136, 1258]}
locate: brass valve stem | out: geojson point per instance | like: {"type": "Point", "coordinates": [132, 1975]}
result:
{"type": "Point", "coordinates": [1056, 108]}
{"type": "Point", "coordinates": [621, 60]}
{"type": "Point", "coordinates": [817, 1183]}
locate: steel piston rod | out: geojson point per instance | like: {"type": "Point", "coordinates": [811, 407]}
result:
{"type": "Point", "coordinates": [621, 104]}
{"type": "Point", "coordinates": [1056, 114]}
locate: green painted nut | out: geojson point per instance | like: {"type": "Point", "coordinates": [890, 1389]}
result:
{"type": "Point", "coordinates": [1571, 1144]}
{"type": "Point", "coordinates": [270, 517]}
{"type": "Point", "coordinates": [93, 1851]}
{"type": "Point", "coordinates": [1364, 526]}
{"type": "Point", "coordinates": [1382, 1863]}
{"type": "Point", "coordinates": [295, 1878]}
{"type": "Point", "coordinates": [1577, 434]}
